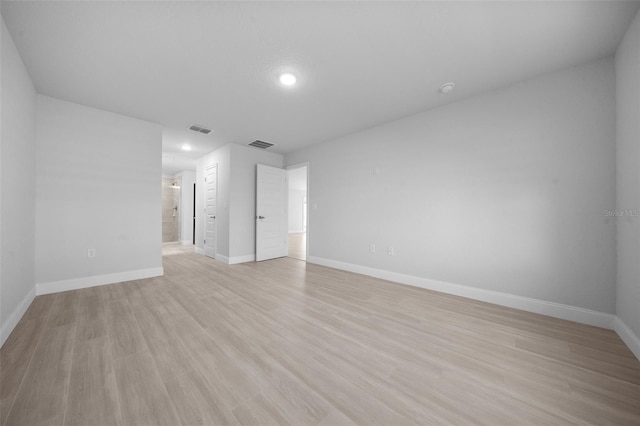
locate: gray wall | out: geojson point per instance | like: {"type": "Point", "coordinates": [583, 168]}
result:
{"type": "Point", "coordinates": [628, 177]}
{"type": "Point", "coordinates": [504, 191]}
{"type": "Point", "coordinates": [18, 187]}
{"type": "Point", "coordinates": [98, 182]}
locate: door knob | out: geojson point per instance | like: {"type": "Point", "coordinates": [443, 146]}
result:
{"type": "Point", "coordinates": [212, 217]}
{"type": "Point", "coordinates": [260, 217]}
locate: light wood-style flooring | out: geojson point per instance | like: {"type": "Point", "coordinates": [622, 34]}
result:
{"type": "Point", "coordinates": [169, 249]}
{"type": "Point", "coordinates": [285, 342]}
{"type": "Point", "coordinates": [297, 243]}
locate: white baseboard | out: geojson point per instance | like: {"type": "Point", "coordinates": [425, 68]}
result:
{"type": "Point", "coordinates": [96, 280]}
{"type": "Point", "coordinates": [557, 310]}
{"type": "Point", "coordinates": [186, 242]}
{"type": "Point", "coordinates": [16, 316]}
{"type": "Point", "coordinates": [242, 259]}
{"type": "Point", "coordinates": [200, 251]}
{"type": "Point", "coordinates": [236, 259]}
{"type": "Point", "coordinates": [628, 336]}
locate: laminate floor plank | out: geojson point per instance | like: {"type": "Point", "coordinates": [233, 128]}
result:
{"type": "Point", "coordinates": [610, 369]}
{"type": "Point", "coordinates": [92, 317]}
{"type": "Point", "coordinates": [299, 403]}
{"type": "Point", "coordinates": [143, 398]}
{"type": "Point", "coordinates": [246, 414]}
{"type": "Point", "coordinates": [295, 401]}
{"type": "Point", "coordinates": [170, 356]}
{"type": "Point", "coordinates": [220, 369]}
{"type": "Point", "coordinates": [64, 310]}
{"type": "Point", "coordinates": [197, 402]}
{"type": "Point", "coordinates": [93, 398]}
{"type": "Point", "coordinates": [124, 332]}
{"type": "Point", "coordinates": [290, 343]}
{"type": "Point", "coordinates": [341, 392]}
{"type": "Point", "coordinates": [40, 307]}
{"type": "Point", "coordinates": [41, 397]}
{"type": "Point", "coordinates": [14, 360]}
{"type": "Point", "coordinates": [336, 418]}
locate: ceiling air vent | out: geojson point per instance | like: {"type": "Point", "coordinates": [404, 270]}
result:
{"type": "Point", "coordinates": [200, 129]}
{"type": "Point", "coordinates": [261, 144]}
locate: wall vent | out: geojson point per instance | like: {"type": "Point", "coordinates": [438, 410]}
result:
{"type": "Point", "coordinates": [200, 129]}
{"type": "Point", "coordinates": [261, 144]}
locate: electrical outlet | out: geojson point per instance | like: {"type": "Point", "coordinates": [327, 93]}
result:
{"type": "Point", "coordinates": [372, 248]}
{"type": "Point", "coordinates": [390, 251]}
{"type": "Point", "coordinates": [91, 253]}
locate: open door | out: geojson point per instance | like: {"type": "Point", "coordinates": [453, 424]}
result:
{"type": "Point", "coordinates": [271, 212]}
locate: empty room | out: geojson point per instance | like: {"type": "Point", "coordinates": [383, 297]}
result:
{"type": "Point", "coordinates": [320, 213]}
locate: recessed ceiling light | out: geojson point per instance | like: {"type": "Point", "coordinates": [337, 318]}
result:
{"type": "Point", "coordinates": [447, 87]}
{"type": "Point", "coordinates": [288, 79]}
{"type": "Point", "coordinates": [186, 147]}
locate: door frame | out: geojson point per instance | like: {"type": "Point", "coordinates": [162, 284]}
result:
{"type": "Point", "coordinates": [308, 231]}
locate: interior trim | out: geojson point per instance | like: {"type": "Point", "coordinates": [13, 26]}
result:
{"type": "Point", "coordinates": [96, 280]}
{"type": "Point", "coordinates": [16, 316]}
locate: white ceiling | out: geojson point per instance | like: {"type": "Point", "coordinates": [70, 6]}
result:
{"type": "Point", "coordinates": [358, 63]}
{"type": "Point", "coordinates": [175, 159]}
{"type": "Point", "coordinates": [174, 163]}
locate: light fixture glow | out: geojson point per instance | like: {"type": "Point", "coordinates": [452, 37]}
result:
{"type": "Point", "coordinates": [447, 87]}
{"type": "Point", "coordinates": [288, 79]}
{"type": "Point", "coordinates": [186, 147]}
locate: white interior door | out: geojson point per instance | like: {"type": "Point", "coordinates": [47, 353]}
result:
{"type": "Point", "coordinates": [271, 212]}
{"type": "Point", "coordinates": [211, 196]}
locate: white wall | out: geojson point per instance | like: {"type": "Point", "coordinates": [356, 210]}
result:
{"type": "Point", "coordinates": [98, 185]}
{"type": "Point", "coordinates": [628, 182]}
{"type": "Point", "coordinates": [186, 206]}
{"type": "Point", "coordinates": [242, 231]}
{"type": "Point", "coordinates": [18, 187]}
{"type": "Point", "coordinates": [502, 192]}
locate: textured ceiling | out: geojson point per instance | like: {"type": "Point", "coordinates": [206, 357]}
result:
{"type": "Point", "coordinates": [358, 63]}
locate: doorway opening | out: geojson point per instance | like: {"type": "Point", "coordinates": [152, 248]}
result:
{"type": "Point", "coordinates": [170, 209]}
{"type": "Point", "coordinates": [298, 211]}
